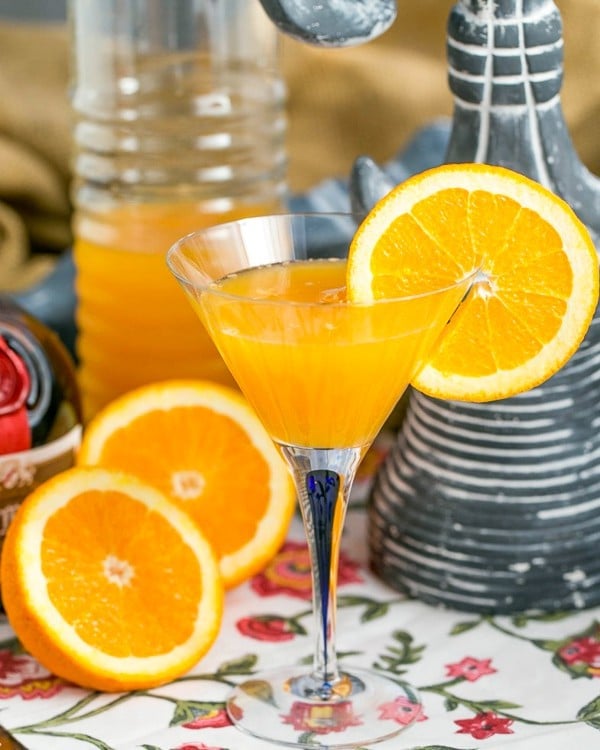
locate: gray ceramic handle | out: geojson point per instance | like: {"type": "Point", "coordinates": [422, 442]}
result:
{"type": "Point", "coordinates": [331, 23]}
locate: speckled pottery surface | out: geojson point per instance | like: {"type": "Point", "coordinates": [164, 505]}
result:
{"type": "Point", "coordinates": [480, 509]}
{"type": "Point", "coordinates": [496, 507]}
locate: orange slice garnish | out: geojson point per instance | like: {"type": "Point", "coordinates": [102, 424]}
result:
{"type": "Point", "coordinates": [537, 287]}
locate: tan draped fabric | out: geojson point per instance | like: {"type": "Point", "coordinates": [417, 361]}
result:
{"type": "Point", "coordinates": [34, 151]}
{"type": "Point", "coordinates": [342, 103]}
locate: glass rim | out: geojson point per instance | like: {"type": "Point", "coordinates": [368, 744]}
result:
{"type": "Point", "coordinates": [210, 287]}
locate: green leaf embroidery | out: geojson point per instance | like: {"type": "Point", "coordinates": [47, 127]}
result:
{"type": "Point", "coordinates": [590, 713]}
{"type": "Point", "coordinates": [496, 705]}
{"type": "Point", "coordinates": [373, 611]}
{"type": "Point", "coordinates": [347, 600]}
{"type": "Point", "coordinates": [464, 627]}
{"type": "Point", "coordinates": [404, 653]}
{"type": "Point", "coordinates": [296, 627]}
{"type": "Point", "coordinates": [549, 645]}
{"type": "Point", "coordinates": [521, 620]}
{"type": "Point", "coordinates": [186, 711]}
{"type": "Point", "coordinates": [373, 608]}
{"type": "Point", "coordinates": [244, 665]}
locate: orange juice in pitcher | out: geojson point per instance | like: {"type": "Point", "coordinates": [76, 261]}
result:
{"type": "Point", "coordinates": [134, 326]}
{"type": "Point", "coordinates": [179, 124]}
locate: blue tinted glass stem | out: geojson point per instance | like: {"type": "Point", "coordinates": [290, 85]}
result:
{"type": "Point", "coordinates": [323, 479]}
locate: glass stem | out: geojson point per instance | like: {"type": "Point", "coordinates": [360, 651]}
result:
{"type": "Point", "coordinates": [323, 480]}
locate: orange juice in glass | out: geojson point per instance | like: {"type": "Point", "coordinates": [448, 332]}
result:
{"type": "Point", "coordinates": [300, 353]}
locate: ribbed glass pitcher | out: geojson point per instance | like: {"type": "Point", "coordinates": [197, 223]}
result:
{"type": "Point", "coordinates": [178, 123]}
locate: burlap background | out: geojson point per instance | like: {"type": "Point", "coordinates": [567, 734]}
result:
{"type": "Point", "coordinates": [342, 103]}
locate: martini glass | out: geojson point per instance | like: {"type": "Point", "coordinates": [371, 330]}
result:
{"type": "Point", "coordinates": [322, 374]}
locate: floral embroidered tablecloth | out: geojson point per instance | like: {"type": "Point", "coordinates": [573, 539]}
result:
{"type": "Point", "coordinates": [523, 683]}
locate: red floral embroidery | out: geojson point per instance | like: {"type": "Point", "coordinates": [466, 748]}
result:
{"type": "Point", "coordinates": [289, 573]}
{"type": "Point", "coordinates": [484, 725]}
{"type": "Point", "coordinates": [582, 651]}
{"type": "Point", "coordinates": [273, 629]}
{"type": "Point", "coordinates": [215, 718]}
{"type": "Point", "coordinates": [201, 746]}
{"type": "Point", "coordinates": [21, 674]}
{"type": "Point", "coordinates": [321, 718]}
{"type": "Point", "coordinates": [470, 669]}
{"type": "Point", "coordinates": [402, 711]}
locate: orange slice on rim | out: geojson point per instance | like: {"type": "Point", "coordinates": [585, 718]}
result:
{"type": "Point", "coordinates": [537, 287]}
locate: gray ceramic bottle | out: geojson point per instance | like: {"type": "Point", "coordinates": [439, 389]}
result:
{"type": "Point", "coordinates": [496, 507]}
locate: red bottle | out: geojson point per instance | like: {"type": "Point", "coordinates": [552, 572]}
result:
{"type": "Point", "coordinates": [40, 413]}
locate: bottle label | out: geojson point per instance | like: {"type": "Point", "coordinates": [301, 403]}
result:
{"type": "Point", "coordinates": [15, 434]}
{"type": "Point", "coordinates": [22, 472]}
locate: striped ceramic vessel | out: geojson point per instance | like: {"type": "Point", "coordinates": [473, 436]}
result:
{"type": "Point", "coordinates": [496, 507]}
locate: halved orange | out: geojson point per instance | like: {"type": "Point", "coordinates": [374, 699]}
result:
{"type": "Point", "coordinates": [108, 583]}
{"type": "Point", "coordinates": [535, 293]}
{"type": "Point", "coordinates": [202, 445]}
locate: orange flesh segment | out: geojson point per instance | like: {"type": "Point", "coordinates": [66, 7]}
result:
{"type": "Point", "coordinates": [143, 620]}
{"type": "Point", "coordinates": [219, 477]}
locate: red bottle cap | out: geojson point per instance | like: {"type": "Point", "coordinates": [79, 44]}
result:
{"type": "Point", "coordinates": [15, 434]}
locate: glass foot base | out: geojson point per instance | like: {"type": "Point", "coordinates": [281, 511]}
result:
{"type": "Point", "coordinates": [368, 708]}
